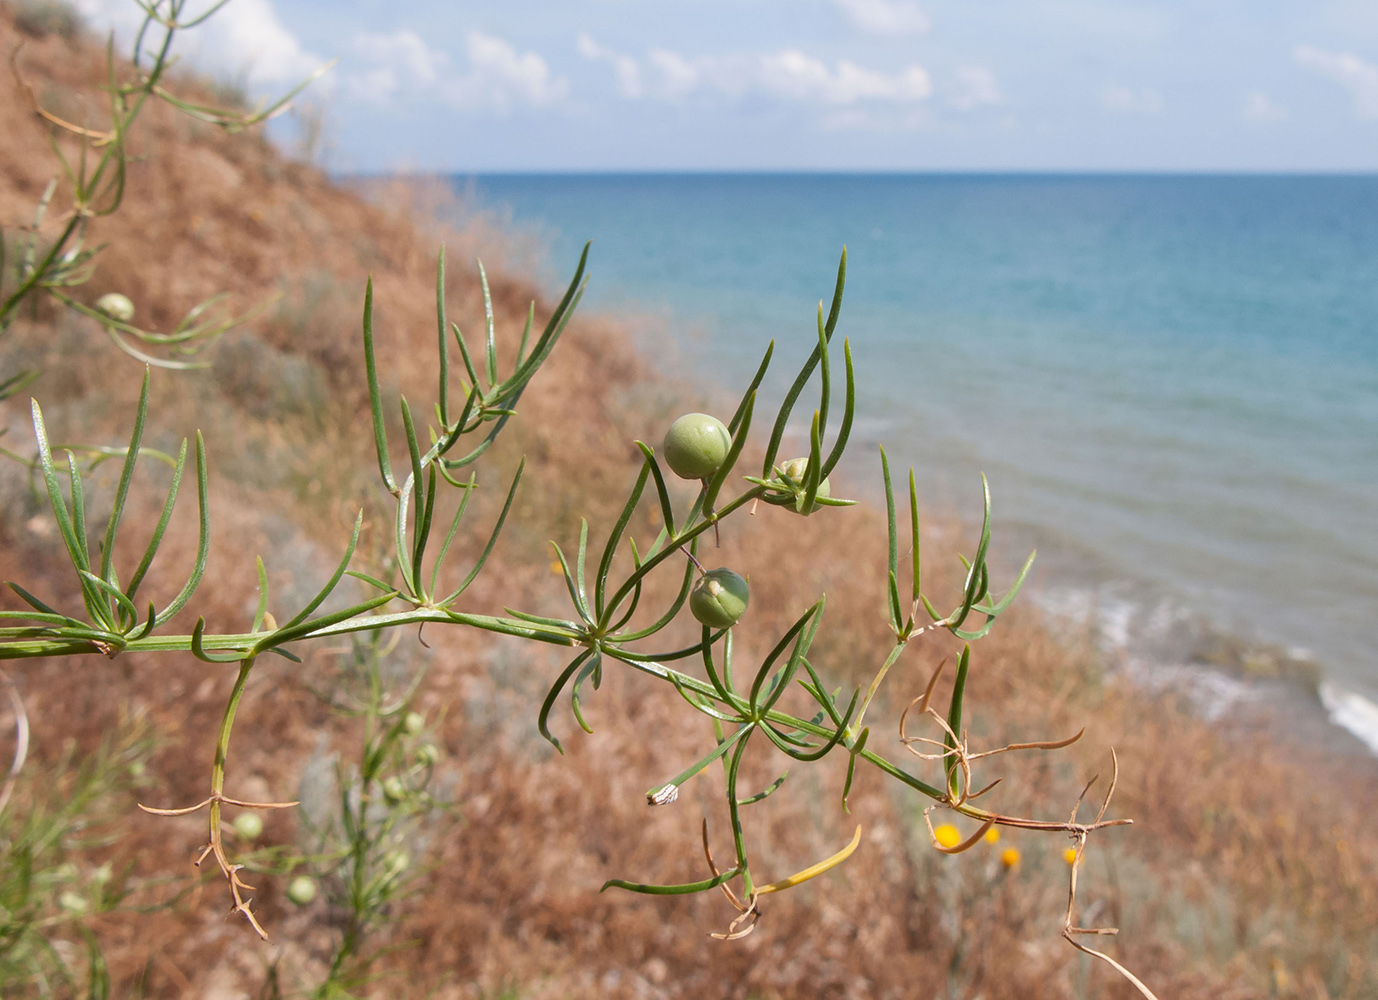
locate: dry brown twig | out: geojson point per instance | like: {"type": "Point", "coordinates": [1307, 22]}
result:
{"type": "Point", "coordinates": [957, 748]}
{"type": "Point", "coordinates": [97, 138]}
{"type": "Point", "coordinates": [1079, 834]}
{"type": "Point", "coordinates": [745, 911]}
{"type": "Point", "coordinates": [217, 847]}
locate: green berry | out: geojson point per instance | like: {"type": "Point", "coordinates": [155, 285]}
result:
{"type": "Point", "coordinates": [720, 598]}
{"type": "Point", "coordinates": [116, 306]}
{"type": "Point", "coordinates": [696, 446]}
{"type": "Point", "coordinates": [394, 790]}
{"type": "Point", "coordinates": [302, 890]}
{"type": "Point", "coordinates": [396, 862]}
{"type": "Point", "coordinates": [414, 723]}
{"type": "Point", "coordinates": [248, 826]}
{"type": "Point", "coordinates": [427, 754]}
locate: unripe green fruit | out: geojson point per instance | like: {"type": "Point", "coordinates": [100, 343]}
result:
{"type": "Point", "coordinates": [116, 306]}
{"type": "Point", "coordinates": [396, 863]}
{"type": "Point", "coordinates": [427, 754]}
{"type": "Point", "coordinates": [394, 790]}
{"type": "Point", "coordinates": [796, 469]}
{"type": "Point", "coordinates": [696, 446]}
{"type": "Point", "coordinates": [719, 599]}
{"type": "Point", "coordinates": [302, 890]}
{"type": "Point", "coordinates": [249, 825]}
{"type": "Point", "coordinates": [414, 723]}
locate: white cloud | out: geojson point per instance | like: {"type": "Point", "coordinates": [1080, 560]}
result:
{"type": "Point", "coordinates": [789, 75]}
{"type": "Point", "coordinates": [974, 86]}
{"type": "Point", "coordinates": [401, 60]}
{"type": "Point", "coordinates": [886, 17]}
{"type": "Point", "coordinates": [500, 76]}
{"type": "Point", "coordinates": [680, 76]}
{"type": "Point", "coordinates": [801, 77]}
{"type": "Point", "coordinates": [1126, 100]}
{"type": "Point", "coordinates": [1355, 75]}
{"type": "Point", "coordinates": [1258, 108]}
{"type": "Point", "coordinates": [246, 40]}
{"type": "Point", "coordinates": [403, 65]}
{"type": "Point", "coordinates": [626, 68]}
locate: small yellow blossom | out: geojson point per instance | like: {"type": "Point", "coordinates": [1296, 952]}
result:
{"type": "Point", "coordinates": [1070, 855]}
{"type": "Point", "coordinates": [992, 835]}
{"type": "Point", "coordinates": [947, 835]}
{"type": "Point", "coordinates": [1009, 857]}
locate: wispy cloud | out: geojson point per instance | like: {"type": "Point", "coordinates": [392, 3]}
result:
{"type": "Point", "coordinates": [397, 61]}
{"type": "Point", "coordinates": [886, 17]}
{"type": "Point", "coordinates": [1258, 108]}
{"type": "Point", "coordinates": [789, 74]}
{"type": "Point", "coordinates": [1355, 75]}
{"type": "Point", "coordinates": [1119, 99]}
{"type": "Point", "coordinates": [801, 77]}
{"type": "Point", "coordinates": [500, 76]}
{"type": "Point", "coordinates": [626, 68]}
{"type": "Point", "coordinates": [402, 64]}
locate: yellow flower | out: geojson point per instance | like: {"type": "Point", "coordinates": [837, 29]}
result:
{"type": "Point", "coordinates": [947, 835]}
{"type": "Point", "coordinates": [992, 835]}
{"type": "Point", "coordinates": [1070, 855]}
{"type": "Point", "coordinates": [1009, 857]}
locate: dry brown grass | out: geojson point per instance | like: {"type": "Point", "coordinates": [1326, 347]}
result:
{"type": "Point", "coordinates": [1250, 871]}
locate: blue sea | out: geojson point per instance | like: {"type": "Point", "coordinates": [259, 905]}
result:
{"type": "Point", "coordinates": [1171, 381]}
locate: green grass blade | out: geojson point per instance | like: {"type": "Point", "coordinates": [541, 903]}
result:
{"type": "Point", "coordinates": [694, 768]}
{"type": "Point", "coordinates": [334, 580]}
{"type": "Point", "coordinates": [825, 373]}
{"type": "Point", "coordinates": [667, 511]}
{"type": "Point", "coordinates": [454, 526]}
{"type": "Point", "coordinates": [751, 389]}
{"type": "Point", "coordinates": [490, 338]}
{"type": "Point", "coordinates": [801, 650]}
{"type": "Point", "coordinates": [443, 375]}
{"type": "Point", "coordinates": [261, 611]}
{"type": "Point", "coordinates": [163, 519]}
{"type": "Point", "coordinates": [204, 538]}
{"type": "Point", "coordinates": [474, 390]}
{"type": "Point", "coordinates": [589, 668]}
{"type": "Point", "coordinates": [582, 556]}
{"type": "Point", "coordinates": [375, 397]}
{"type": "Point", "coordinates": [916, 567]}
{"type": "Point", "coordinates": [614, 540]}
{"type": "Point", "coordinates": [493, 537]}
{"type": "Point", "coordinates": [782, 418]}
{"type": "Point", "coordinates": [526, 333]}
{"type": "Point", "coordinates": [126, 478]}
{"type": "Point", "coordinates": [670, 890]}
{"type": "Point", "coordinates": [954, 713]}
{"type": "Point", "coordinates": [848, 413]}
{"type": "Point", "coordinates": [543, 718]}
{"type": "Point", "coordinates": [575, 593]}
{"type": "Point", "coordinates": [715, 485]}
{"type": "Point", "coordinates": [794, 633]}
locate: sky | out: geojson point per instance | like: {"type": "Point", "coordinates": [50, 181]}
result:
{"type": "Point", "coordinates": [998, 85]}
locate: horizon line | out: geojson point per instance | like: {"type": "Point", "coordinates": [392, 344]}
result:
{"type": "Point", "coordinates": [403, 173]}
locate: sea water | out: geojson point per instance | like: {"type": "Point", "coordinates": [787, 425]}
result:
{"type": "Point", "coordinates": [1171, 379]}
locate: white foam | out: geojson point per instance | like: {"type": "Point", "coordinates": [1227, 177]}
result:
{"type": "Point", "coordinates": [1353, 712]}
